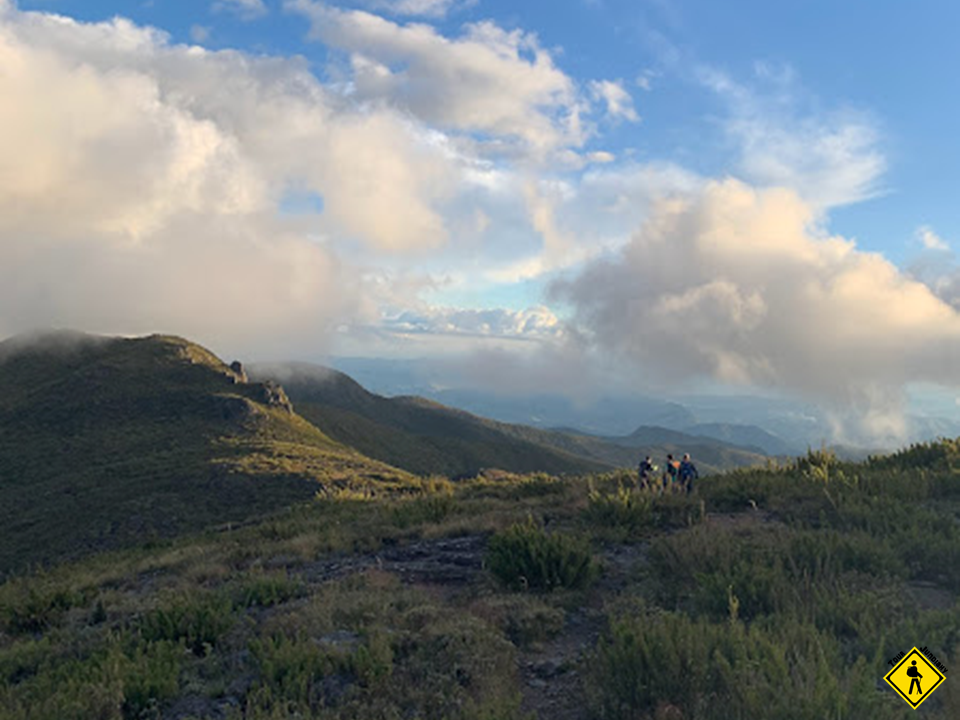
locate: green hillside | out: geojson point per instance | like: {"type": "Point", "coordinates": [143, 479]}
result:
{"type": "Point", "coordinates": [415, 434]}
{"type": "Point", "coordinates": [104, 441]}
{"type": "Point", "coordinates": [426, 437]}
{"type": "Point", "coordinates": [776, 594]}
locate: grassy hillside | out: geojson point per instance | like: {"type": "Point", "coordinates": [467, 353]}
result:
{"type": "Point", "coordinates": [425, 437]}
{"type": "Point", "coordinates": [104, 441]}
{"type": "Point", "coordinates": [769, 594]}
{"type": "Point", "coordinates": [415, 434]}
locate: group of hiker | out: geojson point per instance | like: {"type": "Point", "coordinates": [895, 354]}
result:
{"type": "Point", "coordinates": [677, 475]}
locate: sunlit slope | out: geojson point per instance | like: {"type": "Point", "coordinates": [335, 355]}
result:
{"type": "Point", "coordinates": [105, 441]}
{"type": "Point", "coordinates": [426, 437]}
{"type": "Point", "coordinates": [416, 434]}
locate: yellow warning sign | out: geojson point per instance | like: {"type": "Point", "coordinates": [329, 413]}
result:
{"type": "Point", "coordinates": [914, 678]}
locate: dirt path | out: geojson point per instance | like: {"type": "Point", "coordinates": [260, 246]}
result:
{"type": "Point", "coordinates": [551, 672]}
{"type": "Point", "coordinates": [445, 561]}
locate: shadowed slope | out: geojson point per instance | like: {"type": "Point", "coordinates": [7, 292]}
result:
{"type": "Point", "coordinates": [104, 441]}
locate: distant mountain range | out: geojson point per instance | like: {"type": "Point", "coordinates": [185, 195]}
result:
{"type": "Point", "coordinates": [775, 425]}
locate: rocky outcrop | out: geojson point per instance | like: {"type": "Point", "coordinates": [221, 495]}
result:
{"type": "Point", "coordinates": [273, 395]}
{"type": "Point", "coordinates": [238, 370]}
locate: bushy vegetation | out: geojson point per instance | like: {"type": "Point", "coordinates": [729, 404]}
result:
{"type": "Point", "coordinates": [525, 556]}
{"type": "Point", "coordinates": [626, 512]}
{"type": "Point", "coordinates": [729, 670]}
{"type": "Point", "coordinates": [775, 593]}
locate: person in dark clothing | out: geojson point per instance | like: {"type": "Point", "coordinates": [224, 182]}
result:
{"type": "Point", "coordinates": [688, 473]}
{"type": "Point", "coordinates": [646, 471]}
{"type": "Point", "coordinates": [671, 474]}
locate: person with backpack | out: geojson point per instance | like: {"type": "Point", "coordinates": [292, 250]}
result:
{"type": "Point", "coordinates": [671, 474]}
{"type": "Point", "coordinates": [688, 473]}
{"type": "Point", "coordinates": [646, 471]}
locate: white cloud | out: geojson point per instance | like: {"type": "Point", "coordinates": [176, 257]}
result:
{"type": "Point", "coordinates": [618, 102]}
{"type": "Point", "coordinates": [154, 202]}
{"type": "Point", "coordinates": [739, 285]}
{"type": "Point", "coordinates": [830, 159]}
{"type": "Point", "coordinates": [930, 240]}
{"type": "Point", "coordinates": [531, 323]}
{"type": "Point", "coordinates": [422, 8]}
{"type": "Point", "coordinates": [487, 81]}
{"type": "Point", "coordinates": [246, 9]}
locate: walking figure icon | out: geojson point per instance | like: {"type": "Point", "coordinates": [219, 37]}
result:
{"type": "Point", "coordinates": [913, 673]}
{"type": "Point", "coordinates": [909, 671]}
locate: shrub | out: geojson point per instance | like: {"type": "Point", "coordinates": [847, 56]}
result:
{"type": "Point", "coordinates": [199, 623]}
{"type": "Point", "coordinates": [527, 557]}
{"type": "Point", "coordinates": [718, 671]}
{"type": "Point", "coordinates": [627, 510]}
{"type": "Point", "coordinates": [422, 510]}
{"type": "Point", "coordinates": [267, 591]}
{"type": "Point", "coordinates": [36, 607]}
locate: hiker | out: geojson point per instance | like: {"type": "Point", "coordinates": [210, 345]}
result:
{"type": "Point", "coordinates": [688, 473]}
{"type": "Point", "coordinates": [646, 471]}
{"type": "Point", "coordinates": [915, 676]}
{"type": "Point", "coordinates": [671, 473]}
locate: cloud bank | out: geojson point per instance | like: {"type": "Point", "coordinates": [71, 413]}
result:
{"type": "Point", "coordinates": [740, 285]}
{"type": "Point", "coordinates": [141, 181]}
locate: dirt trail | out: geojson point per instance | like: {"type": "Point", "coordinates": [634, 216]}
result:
{"type": "Point", "coordinates": [445, 561]}
{"type": "Point", "coordinates": [551, 672]}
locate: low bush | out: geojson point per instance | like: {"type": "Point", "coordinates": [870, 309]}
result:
{"type": "Point", "coordinates": [422, 510]}
{"type": "Point", "coordinates": [33, 606]}
{"type": "Point", "coordinates": [721, 671]}
{"type": "Point", "coordinates": [263, 591]}
{"type": "Point", "coordinates": [199, 623]}
{"type": "Point", "coordinates": [527, 557]}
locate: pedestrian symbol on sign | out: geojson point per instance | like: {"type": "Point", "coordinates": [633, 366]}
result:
{"type": "Point", "coordinates": [914, 678]}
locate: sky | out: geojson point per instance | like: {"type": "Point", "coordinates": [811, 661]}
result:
{"type": "Point", "coordinates": [586, 195]}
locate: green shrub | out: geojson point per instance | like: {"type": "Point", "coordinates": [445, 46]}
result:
{"type": "Point", "coordinates": [711, 671]}
{"type": "Point", "coordinates": [629, 511]}
{"type": "Point", "coordinates": [199, 623]}
{"type": "Point", "coordinates": [122, 680]}
{"type": "Point", "coordinates": [34, 606]}
{"type": "Point", "coordinates": [422, 510]}
{"type": "Point", "coordinates": [527, 557]}
{"type": "Point", "coordinates": [267, 590]}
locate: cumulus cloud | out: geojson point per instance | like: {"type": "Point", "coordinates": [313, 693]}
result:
{"type": "Point", "coordinates": [930, 240]}
{"type": "Point", "coordinates": [140, 183]}
{"type": "Point", "coordinates": [830, 159]}
{"type": "Point", "coordinates": [487, 81]}
{"type": "Point", "coordinates": [579, 221]}
{"type": "Point", "coordinates": [617, 100]}
{"type": "Point", "coordinates": [740, 285]}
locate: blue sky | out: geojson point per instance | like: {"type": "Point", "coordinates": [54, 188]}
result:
{"type": "Point", "coordinates": [894, 64]}
{"type": "Point", "coordinates": [644, 194]}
